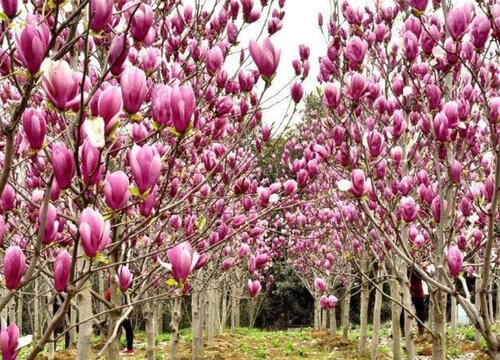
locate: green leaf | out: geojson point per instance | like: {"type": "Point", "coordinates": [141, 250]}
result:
{"type": "Point", "coordinates": [137, 117]}
{"type": "Point", "coordinates": [107, 216]}
{"type": "Point", "coordinates": [173, 131]}
{"type": "Point", "coordinates": [101, 259]}
{"type": "Point", "coordinates": [157, 126]}
{"type": "Point", "coordinates": [134, 190]}
{"type": "Point", "coordinates": [171, 282]}
{"type": "Point", "coordinates": [201, 222]}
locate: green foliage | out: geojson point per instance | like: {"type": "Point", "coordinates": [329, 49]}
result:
{"type": "Point", "coordinates": [287, 303]}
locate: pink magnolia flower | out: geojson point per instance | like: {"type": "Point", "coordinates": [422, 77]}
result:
{"type": "Point", "coordinates": [116, 190]}
{"type": "Point", "coordinates": [328, 302]}
{"type": "Point", "coordinates": [246, 80]}
{"type": "Point", "coordinates": [355, 50]}
{"type": "Point", "coordinates": [9, 342]}
{"type": "Point", "coordinates": [409, 209]}
{"type": "Point", "coordinates": [182, 106]}
{"type": "Point", "coordinates": [410, 42]}
{"type": "Point", "coordinates": [141, 21]}
{"type": "Point", "coordinates": [161, 104]}
{"type": "Point", "coordinates": [183, 260]}
{"type": "Point", "coordinates": [34, 125]}
{"type": "Point", "coordinates": [51, 224]}
{"type": "Point", "coordinates": [265, 57]}
{"type": "Point", "coordinates": [456, 171]}
{"type": "Point", "coordinates": [124, 278]}
{"type": "Point", "coordinates": [297, 92]}
{"type": "Point", "coordinates": [455, 260]}
{"type": "Point", "coordinates": [62, 85]}
{"type": "Point", "coordinates": [134, 89]}
{"type": "Point", "coordinates": [254, 287]}
{"type": "Point", "coordinates": [14, 266]}
{"type": "Point", "coordinates": [9, 7]}
{"type": "Point", "coordinates": [375, 143]}
{"type": "Point", "coordinates": [358, 184]}
{"type": "Point", "coordinates": [118, 52]}
{"type": "Point", "coordinates": [63, 164]}
{"type": "Point", "coordinates": [355, 86]}
{"type": "Point", "coordinates": [420, 5]}
{"type": "Point", "coordinates": [31, 45]}
{"type": "Point", "coordinates": [227, 263]}
{"type": "Point", "coordinates": [8, 198]}
{"type": "Point", "coordinates": [94, 232]}
{"type": "Point", "coordinates": [62, 269]}
{"type": "Point", "coordinates": [146, 166]}
{"type": "Point", "coordinates": [91, 167]}
{"type": "Point", "coordinates": [457, 23]}
{"type": "Point", "coordinates": [442, 130]}
{"type": "Point", "coordinates": [436, 208]}
{"type": "Point", "coordinates": [101, 12]}
{"type": "Point", "coordinates": [290, 187]}
{"type": "Point", "coordinates": [480, 31]}
{"type": "Point", "coordinates": [215, 58]}
{"type": "Point", "coordinates": [320, 284]}
{"type": "Point", "coordinates": [3, 228]}
{"type": "Point", "coordinates": [331, 96]}
{"type": "Point", "coordinates": [109, 105]}
{"type": "Point", "coordinates": [494, 104]}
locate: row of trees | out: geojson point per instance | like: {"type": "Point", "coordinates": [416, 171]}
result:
{"type": "Point", "coordinates": [401, 152]}
{"type": "Point", "coordinates": [135, 157]}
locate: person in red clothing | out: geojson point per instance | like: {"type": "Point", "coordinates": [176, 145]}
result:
{"type": "Point", "coordinates": [418, 299]}
{"type": "Point", "coordinates": [127, 326]}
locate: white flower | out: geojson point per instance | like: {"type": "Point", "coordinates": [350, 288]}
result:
{"type": "Point", "coordinates": [344, 185]}
{"type": "Point", "coordinates": [95, 131]}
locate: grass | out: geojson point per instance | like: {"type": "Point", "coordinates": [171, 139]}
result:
{"type": "Point", "coordinates": [305, 343]}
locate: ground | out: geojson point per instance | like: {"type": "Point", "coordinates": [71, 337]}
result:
{"type": "Point", "coordinates": [253, 344]}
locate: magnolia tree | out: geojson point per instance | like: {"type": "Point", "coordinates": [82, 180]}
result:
{"type": "Point", "coordinates": [409, 135]}
{"type": "Point", "coordinates": [131, 139]}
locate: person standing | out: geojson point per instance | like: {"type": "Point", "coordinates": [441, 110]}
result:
{"type": "Point", "coordinates": [127, 326]}
{"type": "Point", "coordinates": [418, 300]}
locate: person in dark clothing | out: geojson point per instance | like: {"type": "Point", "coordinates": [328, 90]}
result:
{"type": "Point", "coordinates": [127, 326]}
{"type": "Point", "coordinates": [418, 300]}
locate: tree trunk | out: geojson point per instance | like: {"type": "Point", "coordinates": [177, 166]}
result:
{"type": "Point", "coordinates": [324, 319]}
{"type": "Point", "coordinates": [85, 329]}
{"type": "Point", "coordinates": [36, 311]}
{"type": "Point", "coordinates": [453, 316]}
{"type": "Point", "coordinates": [477, 302]}
{"type": "Point", "coordinates": [497, 312]}
{"type": "Point", "coordinates": [376, 315]}
{"type": "Point", "coordinates": [223, 316]}
{"type": "Point", "coordinates": [438, 298]}
{"type": "Point", "coordinates": [395, 314]}
{"type": "Point", "coordinates": [196, 324]}
{"type": "Point", "coordinates": [113, 349]}
{"type": "Point", "coordinates": [217, 310]}
{"type": "Point", "coordinates": [50, 309]}
{"type": "Point", "coordinates": [159, 318]}
{"type": "Point", "coordinates": [333, 321]}
{"type": "Point", "coordinates": [234, 310]}
{"type": "Point", "coordinates": [363, 313]}
{"type": "Point", "coordinates": [210, 315]}
{"type": "Point", "coordinates": [72, 331]}
{"type": "Point", "coordinates": [176, 320]}
{"type": "Point", "coordinates": [252, 309]}
{"type": "Point", "coordinates": [150, 320]}
{"type": "Point", "coordinates": [317, 312]}
{"type": "Point", "coordinates": [19, 312]}
{"type": "Point", "coordinates": [345, 311]}
{"type": "Point", "coordinates": [408, 316]}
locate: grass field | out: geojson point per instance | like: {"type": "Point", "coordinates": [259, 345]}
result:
{"type": "Point", "coordinates": [254, 344]}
